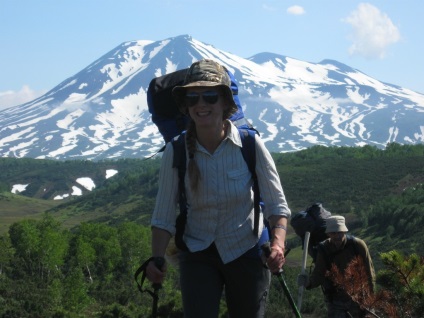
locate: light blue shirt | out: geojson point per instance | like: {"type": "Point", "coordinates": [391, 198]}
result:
{"type": "Point", "coordinates": [221, 210]}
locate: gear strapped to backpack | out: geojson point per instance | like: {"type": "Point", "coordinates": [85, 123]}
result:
{"type": "Point", "coordinates": [171, 123]}
{"type": "Point", "coordinates": [312, 220]}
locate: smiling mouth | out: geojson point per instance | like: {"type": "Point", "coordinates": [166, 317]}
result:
{"type": "Point", "coordinates": [202, 114]}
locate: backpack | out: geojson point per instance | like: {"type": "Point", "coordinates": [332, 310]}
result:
{"type": "Point", "coordinates": [312, 220]}
{"type": "Point", "coordinates": [171, 123]}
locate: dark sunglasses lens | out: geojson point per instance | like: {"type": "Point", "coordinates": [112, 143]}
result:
{"type": "Point", "coordinates": [191, 99]}
{"type": "Point", "coordinates": [209, 97]}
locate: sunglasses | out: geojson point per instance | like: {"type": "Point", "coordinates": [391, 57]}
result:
{"type": "Point", "coordinates": [210, 97]}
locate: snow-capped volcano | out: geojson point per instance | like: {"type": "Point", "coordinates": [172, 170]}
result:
{"type": "Point", "coordinates": [101, 112]}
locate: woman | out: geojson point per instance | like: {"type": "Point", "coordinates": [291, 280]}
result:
{"type": "Point", "coordinates": [219, 229]}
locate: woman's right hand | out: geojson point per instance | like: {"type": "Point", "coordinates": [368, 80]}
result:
{"type": "Point", "coordinates": [153, 273]}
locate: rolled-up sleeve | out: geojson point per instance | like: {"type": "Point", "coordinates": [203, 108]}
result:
{"type": "Point", "coordinates": [164, 214]}
{"type": "Point", "coordinates": [269, 183]}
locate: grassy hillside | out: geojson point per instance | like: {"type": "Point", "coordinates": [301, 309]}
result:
{"type": "Point", "coordinates": [349, 179]}
{"type": "Point", "coordinates": [112, 198]}
{"type": "Point", "coordinates": [17, 207]}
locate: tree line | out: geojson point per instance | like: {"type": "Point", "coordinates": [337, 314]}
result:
{"type": "Point", "coordinates": [46, 271]}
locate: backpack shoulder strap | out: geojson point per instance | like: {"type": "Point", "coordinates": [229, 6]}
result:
{"type": "Point", "coordinates": [353, 244]}
{"type": "Point", "coordinates": [179, 162]}
{"type": "Point", "coordinates": [178, 144]}
{"type": "Point", "coordinates": [248, 151]}
{"type": "Point", "coordinates": [321, 248]}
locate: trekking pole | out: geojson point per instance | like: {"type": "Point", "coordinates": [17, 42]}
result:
{"type": "Point", "coordinates": [159, 262]}
{"type": "Point", "coordinates": [303, 271]}
{"type": "Point", "coordinates": [267, 250]}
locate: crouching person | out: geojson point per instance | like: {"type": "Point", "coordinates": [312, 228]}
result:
{"type": "Point", "coordinates": [339, 250]}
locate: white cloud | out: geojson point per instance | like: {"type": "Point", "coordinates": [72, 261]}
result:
{"type": "Point", "coordinates": [373, 31]}
{"type": "Point", "coordinates": [13, 98]}
{"type": "Point", "coordinates": [296, 10]}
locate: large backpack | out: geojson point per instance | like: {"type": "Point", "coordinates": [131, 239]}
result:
{"type": "Point", "coordinates": [171, 123]}
{"type": "Point", "coordinates": [312, 220]}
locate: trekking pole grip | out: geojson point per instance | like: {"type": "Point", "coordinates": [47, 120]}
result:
{"type": "Point", "coordinates": [159, 262]}
{"type": "Point", "coordinates": [266, 248]}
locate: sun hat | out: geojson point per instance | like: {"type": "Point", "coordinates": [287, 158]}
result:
{"type": "Point", "coordinates": [335, 224]}
{"type": "Point", "coordinates": [204, 73]}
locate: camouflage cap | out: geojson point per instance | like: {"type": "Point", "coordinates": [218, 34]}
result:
{"type": "Point", "coordinates": [204, 73]}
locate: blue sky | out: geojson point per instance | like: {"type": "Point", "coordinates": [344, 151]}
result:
{"type": "Point", "coordinates": [44, 42]}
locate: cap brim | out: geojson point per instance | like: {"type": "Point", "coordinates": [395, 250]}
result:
{"type": "Point", "coordinates": [178, 90]}
{"type": "Point", "coordinates": [336, 229]}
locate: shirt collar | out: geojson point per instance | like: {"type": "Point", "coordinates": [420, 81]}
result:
{"type": "Point", "coordinates": [233, 134]}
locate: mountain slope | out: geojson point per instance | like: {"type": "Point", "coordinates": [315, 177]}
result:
{"type": "Point", "coordinates": [101, 112]}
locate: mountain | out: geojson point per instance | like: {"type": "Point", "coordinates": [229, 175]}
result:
{"type": "Point", "coordinates": [101, 112]}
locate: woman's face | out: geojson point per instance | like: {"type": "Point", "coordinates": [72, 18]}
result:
{"type": "Point", "coordinates": [205, 105]}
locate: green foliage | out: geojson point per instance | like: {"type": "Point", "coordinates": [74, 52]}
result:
{"type": "Point", "coordinates": [75, 291]}
{"type": "Point", "coordinates": [278, 303]}
{"type": "Point", "coordinates": [6, 253]}
{"type": "Point", "coordinates": [400, 219]}
{"type": "Point", "coordinates": [112, 254]}
{"type": "Point", "coordinates": [346, 179]}
{"type": "Point", "coordinates": [39, 245]}
{"type": "Point", "coordinates": [48, 271]}
{"type": "Point", "coordinates": [403, 277]}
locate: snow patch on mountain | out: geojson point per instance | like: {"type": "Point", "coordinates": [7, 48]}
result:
{"type": "Point", "coordinates": [18, 188]}
{"type": "Point", "coordinates": [87, 183]}
{"type": "Point", "coordinates": [101, 112]}
{"type": "Point", "coordinates": [110, 173]}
